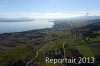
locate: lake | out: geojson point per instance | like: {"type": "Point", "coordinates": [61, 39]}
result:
{"type": "Point", "coordinates": [8, 27]}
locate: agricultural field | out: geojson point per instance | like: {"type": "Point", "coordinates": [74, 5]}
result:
{"type": "Point", "coordinates": [30, 48]}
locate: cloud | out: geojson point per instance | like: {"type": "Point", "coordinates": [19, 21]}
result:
{"type": "Point", "coordinates": [49, 15]}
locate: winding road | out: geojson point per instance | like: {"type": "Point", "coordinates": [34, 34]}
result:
{"type": "Point", "coordinates": [36, 54]}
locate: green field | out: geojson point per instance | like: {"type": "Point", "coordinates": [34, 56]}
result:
{"type": "Point", "coordinates": [85, 50]}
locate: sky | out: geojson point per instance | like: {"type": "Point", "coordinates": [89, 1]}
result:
{"type": "Point", "coordinates": [48, 8]}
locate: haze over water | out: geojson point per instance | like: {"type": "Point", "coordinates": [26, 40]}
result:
{"type": "Point", "coordinates": [7, 27]}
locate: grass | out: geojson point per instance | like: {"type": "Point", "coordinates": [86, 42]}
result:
{"type": "Point", "coordinates": [13, 55]}
{"type": "Point", "coordinates": [97, 39]}
{"type": "Point", "coordinates": [56, 44]}
{"type": "Point", "coordinates": [21, 52]}
{"type": "Point", "coordinates": [97, 32]}
{"type": "Point", "coordinates": [96, 49]}
{"type": "Point", "coordinates": [85, 51]}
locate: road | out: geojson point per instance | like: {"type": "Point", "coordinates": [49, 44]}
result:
{"type": "Point", "coordinates": [36, 54]}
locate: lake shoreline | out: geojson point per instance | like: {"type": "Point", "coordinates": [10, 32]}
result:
{"type": "Point", "coordinates": [12, 27]}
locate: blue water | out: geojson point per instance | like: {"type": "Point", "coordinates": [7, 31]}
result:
{"type": "Point", "coordinates": [7, 27]}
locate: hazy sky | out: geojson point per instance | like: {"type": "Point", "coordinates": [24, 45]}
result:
{"type": "Point", "coordinates": [48, 8]}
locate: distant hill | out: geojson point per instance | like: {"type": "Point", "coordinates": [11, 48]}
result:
{"type": "Point", "coordinates": [89, 29]}
{"type": "Point", "coordinates": [15, 19]}
{"type": "Point", "coordinates": [93, 26]}
{"type": "Point", "coordinates": [85, 18]}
